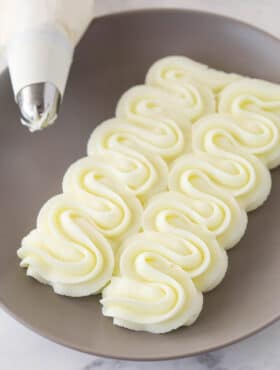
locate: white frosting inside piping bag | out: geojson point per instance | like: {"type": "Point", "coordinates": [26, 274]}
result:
{"type": "Point", "coordinates": [42, 56]}
{"type": "Point", "coordinates": [39, 37]}
{"type": "Point", "coordinates": [70, 16]}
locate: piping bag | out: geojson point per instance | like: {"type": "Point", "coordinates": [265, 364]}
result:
{"type": "Point", "coordinates": [38, 38]}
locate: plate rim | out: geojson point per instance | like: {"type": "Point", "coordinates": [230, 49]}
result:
{"type": "Point", "coordinates": [63, 342]}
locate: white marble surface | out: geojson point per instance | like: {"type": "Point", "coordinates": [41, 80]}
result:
{"type": "Point", "coordinates": [20, 349]}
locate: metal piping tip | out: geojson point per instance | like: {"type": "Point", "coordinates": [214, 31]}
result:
{"type": "Point", "coordinates": [39, 105]}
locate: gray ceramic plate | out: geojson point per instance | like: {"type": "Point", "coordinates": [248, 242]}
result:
{"type": "Point", "coordinates": [114, 55]}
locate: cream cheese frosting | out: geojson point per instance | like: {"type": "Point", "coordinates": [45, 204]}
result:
{"type": "Point", "coordinates": [158, 121]}
{"type": "Point", "coordinates": [116, 212]}
{"type": "Point", "coordinates": [66, 251]}
{"type": "Point", "coordinates": [229, 165]}
{"type": "Point", "coordinates": [243, 177]}
{"type": "Point", "coordinates": [214, 212]}
{"type": "Point", "coordinates": [181, 69]}
{"type": "Point", "coordinates": [152, 292]}
{"type": "Point", "coordinates": [174, 75]}
{"type": "Point", "coordinates": [224, 131]}
{"type": "Point", "coordinates": [255, 106]}
{"type": "Point", "coordinates": [140, 171]}
{"type": "Point", "coordinates": [202, 257]}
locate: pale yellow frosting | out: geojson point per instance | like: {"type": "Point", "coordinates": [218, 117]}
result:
{"type": "Point", "coordinates": [255, 107]}
{"type": "Point", "coordinates": [66, 251]}
{"type": "Point", "coordinates": [158, 122]}
{"type": "Point", "coordinates": [204, 259]}
{"type": "Point", "coordinates": [176, 76]}
{"type": "Point", "coordinates": [228, 164]}
{"type": "Point", "coordinates": [179, 68]}
{"type": "Point", "coordinates": [140, 171]}
{"type": "Point", "coordinates": [115, 211]}
{"type": "Point", "coordinates": [152, 291]}
{"type": "Point", "coordinates": [215, 212]}
{"type": "Point", "coordinates": [243, 177]}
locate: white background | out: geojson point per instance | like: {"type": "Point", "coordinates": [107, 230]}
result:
{"type": "Point", "coordinates": [20, 349]}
